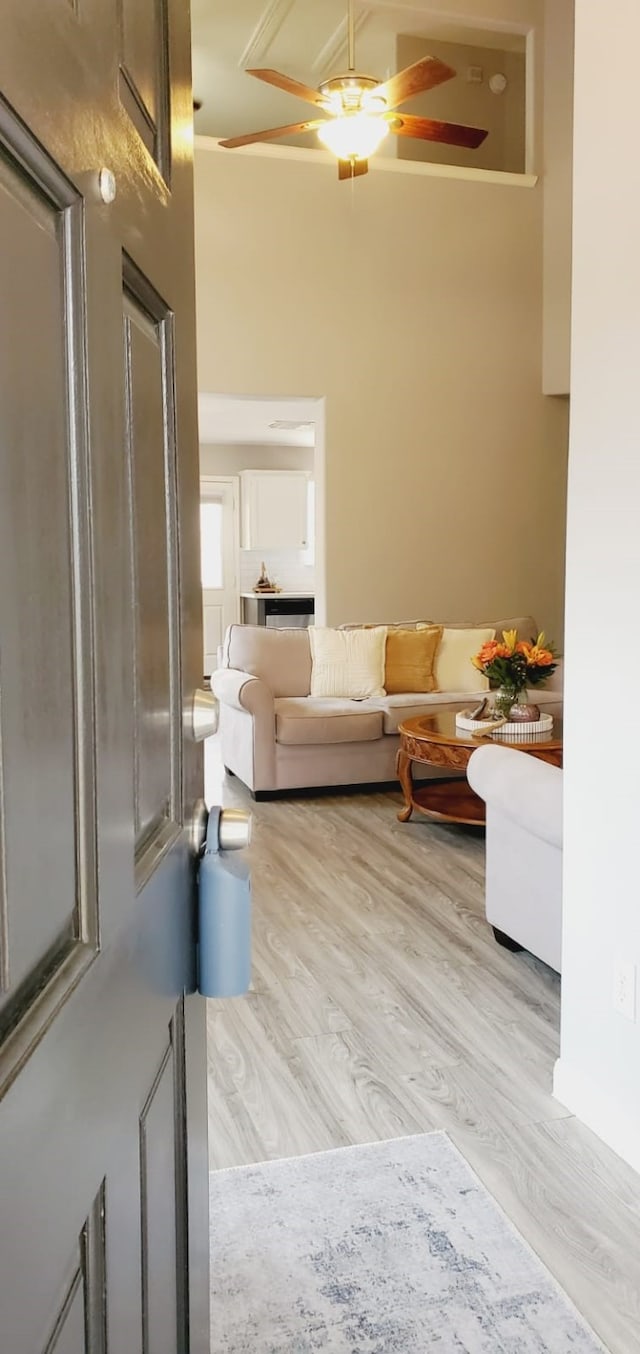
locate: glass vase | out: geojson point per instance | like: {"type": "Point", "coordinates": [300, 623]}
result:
{"type": "Point", "coordinates": [505, 697]}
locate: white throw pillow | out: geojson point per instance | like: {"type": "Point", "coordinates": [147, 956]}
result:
{"type": "Point", "coordinates": [347, 663]}
{"type": "Point", "coordinates": [453, 668]}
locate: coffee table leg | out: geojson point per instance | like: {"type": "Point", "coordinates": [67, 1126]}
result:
{"type": "Point", "coordinates": [403, 772]}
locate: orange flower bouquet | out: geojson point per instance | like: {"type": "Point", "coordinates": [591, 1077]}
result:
{"type": "Point", "coordinates": [514, 664]}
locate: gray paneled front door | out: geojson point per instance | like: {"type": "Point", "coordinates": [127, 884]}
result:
{"type": "Point", "coordinates": [103, 1171]}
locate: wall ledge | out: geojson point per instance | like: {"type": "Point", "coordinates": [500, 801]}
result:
{"type": "Point", "coordinates": [384, 164]}
{"type": "Point", "coordinates": [603, 1116]}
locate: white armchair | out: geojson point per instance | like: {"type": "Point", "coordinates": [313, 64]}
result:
{"type": "Point", "coordinates": [523, 796]}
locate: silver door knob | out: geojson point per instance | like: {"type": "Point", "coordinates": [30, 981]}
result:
{"type": "Point", "coordinates": [204, 715]}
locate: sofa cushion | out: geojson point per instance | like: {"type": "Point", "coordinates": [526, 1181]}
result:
{"type": "Point", "coordinates": [314, 720]}
{"type": "Point", "coordinates": [347, 663]}
{"type": "Point", "coordinates": [282, 658]}
{"type": "Point", "coordinates": [454, 669]}
{"type": "Point", "coordinates": [395, 709]}
{"type": "Point", "coordinates": [409, 659]}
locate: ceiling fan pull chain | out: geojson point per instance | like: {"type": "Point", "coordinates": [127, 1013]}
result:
{"type": "Point", "coordinates": [351, 36]}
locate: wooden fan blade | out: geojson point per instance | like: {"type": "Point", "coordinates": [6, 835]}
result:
{"type": "Point", "coordinates": [351, 169]}
{"type": "Point", "coordinates": [429, 129]}
{"type": "Point", "coordinates": [416, 79]}
{"type": "Point", "coordinates": [290, 86]}
{"type": "Point", "coordinates": [272, 133]}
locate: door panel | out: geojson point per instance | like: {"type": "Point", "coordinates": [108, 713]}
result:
{"type": "Point", "coordinates": [81, 1324]}
{"type": "Point", "coordinates": [143, 84]}
{"type": "Point", "coordinates": [43, 550]}
{"type": "Point", "coordinates": [150, 439]}
{"type": "Point", "coordinates": [164, 1313]}
{"type": "Point", "coordinates": [35, 493]}
{"type": "Point", "coordinates": [103, 1163]}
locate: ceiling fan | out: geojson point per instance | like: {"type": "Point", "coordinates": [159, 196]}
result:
{"type": "Point", "coordinates": [361, 111]}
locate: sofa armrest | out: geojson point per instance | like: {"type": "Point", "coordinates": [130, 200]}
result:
{"type": "Point", "coordinates": [519, 787]}
{"type": "Point", "coordinates": [242, 691]}
{"type": "Point", "coordinates": [247, 727]}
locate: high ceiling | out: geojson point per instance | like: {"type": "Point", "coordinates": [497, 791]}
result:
{"type": "Point", "coordinates": [307, 39]}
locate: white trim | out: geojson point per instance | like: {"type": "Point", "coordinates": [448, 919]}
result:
{"type": "Point", "coordinates": [319, 477]}
{"type": "Point", "coordinates": [265, 32]}
{"type": "Point", "coordinates": [602, 1115]}
{"type": "Point", "coordinates": [231, 482]}
{"type": "Point", "coordinates": [415, 19]}
{"type": "Point", "coordinates": [531, 110]}
{"type": "Point", "coordinates": [264, 150]}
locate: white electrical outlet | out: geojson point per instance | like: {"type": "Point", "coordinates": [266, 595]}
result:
{"type": "Point", "coordinates": [624, 989]}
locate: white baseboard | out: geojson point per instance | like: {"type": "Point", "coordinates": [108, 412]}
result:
{"type": "Point", "coordinates": [586, 1100]}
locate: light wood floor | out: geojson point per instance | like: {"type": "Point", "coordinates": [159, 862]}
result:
{"type": "Point", "coordinates": [381, 1006]}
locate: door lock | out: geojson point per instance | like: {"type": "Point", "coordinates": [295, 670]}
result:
{"type": "Point", "coordinates": [233, 828]}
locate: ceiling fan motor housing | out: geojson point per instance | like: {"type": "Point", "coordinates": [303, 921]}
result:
{"type": "Point", "coordinates": [350, 92]}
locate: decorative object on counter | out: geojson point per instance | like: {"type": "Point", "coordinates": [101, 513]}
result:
{"type": "Point", "coordinates": [513, 665]}
{"type": "Point", "coordinates": [264, 583]}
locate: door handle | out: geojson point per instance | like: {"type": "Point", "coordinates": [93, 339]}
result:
{"type": "Point", "coordinates": [204, 714]}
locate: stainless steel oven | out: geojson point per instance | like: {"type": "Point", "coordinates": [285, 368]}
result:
{"type": "Point", "coordinates": [288, 611]}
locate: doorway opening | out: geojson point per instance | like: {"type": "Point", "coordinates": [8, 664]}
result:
{"type": "Point", "coordinates": [262, 512]}
{"type": "Point", "coordinates": [219, 537]}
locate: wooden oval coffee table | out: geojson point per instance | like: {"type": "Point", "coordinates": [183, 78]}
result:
{"type": "Point", "coordinates": [437, 741]}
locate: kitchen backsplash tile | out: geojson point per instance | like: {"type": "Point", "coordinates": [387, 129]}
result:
{"type": "Point", "coordinates": [287, 568]}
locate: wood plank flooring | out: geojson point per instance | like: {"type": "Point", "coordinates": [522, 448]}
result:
{"type": "Point", "coordinates": [382, 1006]}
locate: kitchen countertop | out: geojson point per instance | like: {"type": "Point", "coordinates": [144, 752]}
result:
{"type": "Point", "coordinates": [284, 593]}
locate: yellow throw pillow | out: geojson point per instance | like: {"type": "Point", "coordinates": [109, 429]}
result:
{"type": "Point", "coordinates": [347, 663]}
{"type": "Point", "coordinates": [454, 670]}
{"type": "Point", "coordinates": [409, 659]}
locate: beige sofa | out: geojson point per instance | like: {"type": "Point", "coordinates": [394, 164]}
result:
{"type": "Point", "coordinates": [275, 736]}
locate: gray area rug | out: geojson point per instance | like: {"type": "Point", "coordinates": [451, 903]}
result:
{"type": "Point", "coordinates": [391, 1248]}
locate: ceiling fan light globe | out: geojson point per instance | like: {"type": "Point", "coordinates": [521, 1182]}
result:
{"type": "Point", "coordinates": [354, 137]}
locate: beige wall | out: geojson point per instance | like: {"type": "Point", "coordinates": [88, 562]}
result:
{"type": "Point", "coordinates": [412, 303]}
{"type": "Point", "coordinates": [216, 459]}
{"type": "Point", "coordinates": [458, 100]}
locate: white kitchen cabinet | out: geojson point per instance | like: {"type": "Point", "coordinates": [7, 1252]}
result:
{"type": "Point", "coordinates": [275, 509]}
